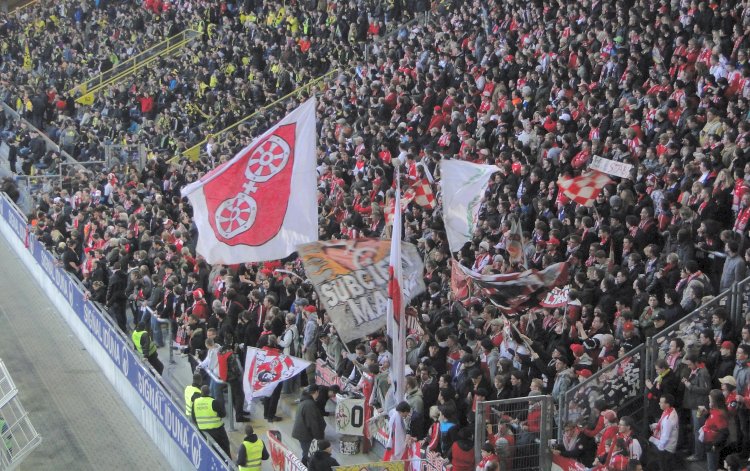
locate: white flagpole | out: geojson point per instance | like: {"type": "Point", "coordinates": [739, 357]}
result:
{"type": "Point", "coordinates": [398, 332]}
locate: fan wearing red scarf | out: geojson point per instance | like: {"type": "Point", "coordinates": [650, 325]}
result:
{"type": "Point", "coordinates": [664, 433]}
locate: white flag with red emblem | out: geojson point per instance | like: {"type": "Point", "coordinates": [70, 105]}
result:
{"type": "Point", "coordinates": [265, 368]}
{"type": "Point", "coordinates": [261, 204]}
{"type": "Point", "coordinates": [584, 189]}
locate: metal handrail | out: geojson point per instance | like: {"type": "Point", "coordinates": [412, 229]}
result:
{"type": "Point", "coordinates": [193, 153]}
{"type": "Point", "coordinates": [230, 408]}
{"type": "Point", "coordinates": [139, 60]}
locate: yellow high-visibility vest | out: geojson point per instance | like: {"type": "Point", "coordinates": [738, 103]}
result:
{"type": "Point", "coordinates": [254, 452]}
{"type": "Point", "coordinates": [206, 418]}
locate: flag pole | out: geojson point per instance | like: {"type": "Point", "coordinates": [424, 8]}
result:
{"type": "Point", "coordinates": [398, 323]}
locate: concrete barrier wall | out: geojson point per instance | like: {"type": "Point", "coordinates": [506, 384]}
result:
{"type": "Point", "coordinates": [135, 381]}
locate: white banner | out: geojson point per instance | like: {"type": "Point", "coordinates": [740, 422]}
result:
{"type": "Point", "coordinates": [463, 185]}
{"type": "Point", "coordinates": [245, 209]}
{"type": "Point", "coordinates": [611, 167]}
{"type": "Point", "coordinates": [350, 415]}
{"type": "Point", "coordinates": [265, 368]}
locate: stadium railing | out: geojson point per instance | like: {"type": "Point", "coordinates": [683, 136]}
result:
{"type": "Point", "coordinates": [622, 384]}
{"type": "Point", "coordinates": [530, 419]}
{"type": "Point", "coordinates": [87, 89]}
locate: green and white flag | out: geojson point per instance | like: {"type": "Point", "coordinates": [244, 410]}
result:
{"type": "Point", "coordinates": [463, 185]}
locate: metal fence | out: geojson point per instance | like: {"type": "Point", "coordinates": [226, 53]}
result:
{"type": "Point", "coordinates": [620, 384]}
{"type": "Point", "coordinates": [740, 302]}
{"type": "Point", "coordinates": [133, 155]}
{"type": "Point", "coordinates": [128, 66]}
{"type": "Point", "coordinates": [18, 437]}
{"type": "Point", "coordinates": [521, 428]}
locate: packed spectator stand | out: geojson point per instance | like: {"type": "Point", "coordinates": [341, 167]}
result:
{"type": "Point", "coordinates": [537, 88]}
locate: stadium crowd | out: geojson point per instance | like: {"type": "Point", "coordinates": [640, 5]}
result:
{"type": "Point", "coordinates": [538, 89]}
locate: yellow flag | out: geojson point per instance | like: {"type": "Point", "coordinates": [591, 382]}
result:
{"type": "Point", "coordinates": [27, 58]}
{"type": "Point", "coordinates": [87, 99]}
{"type": "Point", "coordinates": [193, 153]}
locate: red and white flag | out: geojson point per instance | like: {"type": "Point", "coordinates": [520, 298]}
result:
{"type": "Point", "coordinates": [265, 368]}
{"type": "Point", "coordinates": [395, 322]}
{"type": "Point", "coordinates": [423, 194]}
{"type": "Point", "coordinates": [561, 463]}
{"type": "Point", "coordinates": [584, 189]}
{"type": "Point", "coordinates": [404, 201]}
{"type": "Point", "coordinates": [261, 204]}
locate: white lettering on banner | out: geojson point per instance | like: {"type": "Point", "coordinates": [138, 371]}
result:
{"type": "Point", "coordinates": [104, 334]}
{"type": "Point", "coordinates": [16, 224]}
{"type": "Point", "coordinates": [351, 289]}
{"type": "Point", "coordinates": [170, 415]}
{"type": "Point", "coordinates": [153, 397]}
{"type": "Point", "coordinates": [195, 450]}
{"type": "Point", "coordinates": [58, 277]}
{"type": "Point", "coordinates": [611, 167]}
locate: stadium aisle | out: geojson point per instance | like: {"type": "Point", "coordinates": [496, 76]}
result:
{"type": "Point", "coordinates": [83, 423]}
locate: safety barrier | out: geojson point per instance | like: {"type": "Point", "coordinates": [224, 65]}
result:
{"type": "Point", "coordinates": [282, 458]}
{"type": "Point", "coordinates": [127, 67]}
{"type": "Point", "coordinates": [528, 419]}
{"type": "Point", "coordinates": [622, 384]}
{"type": "Point", "coordinates": [194, 152]}
{"type": "Point", "coordinates": [51, 145]}
{"type": "Point", "coordinates": [139, 386]}
{"type": "Point", "coordinates": [23, 6]}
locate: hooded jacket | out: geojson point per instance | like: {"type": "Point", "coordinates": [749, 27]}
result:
{"type": "Point", "coordinates": [309, 423]}
{"type": "Point", "coordinates": [321, 461]}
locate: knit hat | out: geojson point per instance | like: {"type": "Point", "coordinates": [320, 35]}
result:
{"type": "Point", "coordinates": [727, 345]}
{"type": "Point", "coordinates": [609, 415]}
{"type": "Point", "coordinates": [585, 373]}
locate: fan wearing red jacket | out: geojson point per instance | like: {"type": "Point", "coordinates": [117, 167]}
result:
{"type": "Point", "coordinates": [716, 428]}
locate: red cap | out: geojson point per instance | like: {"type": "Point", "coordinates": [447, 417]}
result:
{"type": "Point", "coordinates": [727, 345]}
{"type": "Point", "coordinates": [198, 293]}
{"type": "Point", "coordinates": [310, 308]}
{"type": "Point", "coordinates": [585, 373]}
{"type": "Point", "coordinates": [553, 241]}
{"type": "Point", "coordinates": [609, 359]}
{"type": "Point", "coordinates": [628, 326]}
{"type": "Point", "coordinates": [577, 349]}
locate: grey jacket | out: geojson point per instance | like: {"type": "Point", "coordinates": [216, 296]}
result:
{"type": "Point", "coordinates": [696, 392]}
{"type": "Point", "coordinates": [734, 270]}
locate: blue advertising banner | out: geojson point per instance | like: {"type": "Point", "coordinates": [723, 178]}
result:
{"type": "Point", "coordinates": [171, 416]}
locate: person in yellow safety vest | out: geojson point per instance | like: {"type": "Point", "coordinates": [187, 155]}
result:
{"type": "Point", "coordinates": [252, 451]}
{"type": "Point", "coordinates": [142, 341]}
{"type": "Point", "coordinates": [192, 392]}
{"type": "Point", "coordinates": [207, 414]}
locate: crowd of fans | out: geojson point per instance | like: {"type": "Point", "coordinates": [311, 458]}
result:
{"type": "Point", "coordinates": [537, 88]}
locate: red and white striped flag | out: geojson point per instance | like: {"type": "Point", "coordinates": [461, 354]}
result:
{"type": "Point", "coordinates": [584, 189]}
{"type": "Point", "coordinates": [423, 194]}
{"type": "Point", "coordinates": [404, 201]}
{"type": "Point", "coordinates": [395, 324]}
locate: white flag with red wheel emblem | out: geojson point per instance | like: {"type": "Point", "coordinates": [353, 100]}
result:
{"type": "Point", "coordinates": [261, 204]}
{"type": "Point", "coordinates": [265, 368]}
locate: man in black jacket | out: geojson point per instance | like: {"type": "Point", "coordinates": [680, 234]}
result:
{"type": "Point", "coordinates": [322, 460]}
{"type": "Point", "coordinates": [309, 423]}
{"type": "Point", "coordinates": [116, 298]}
